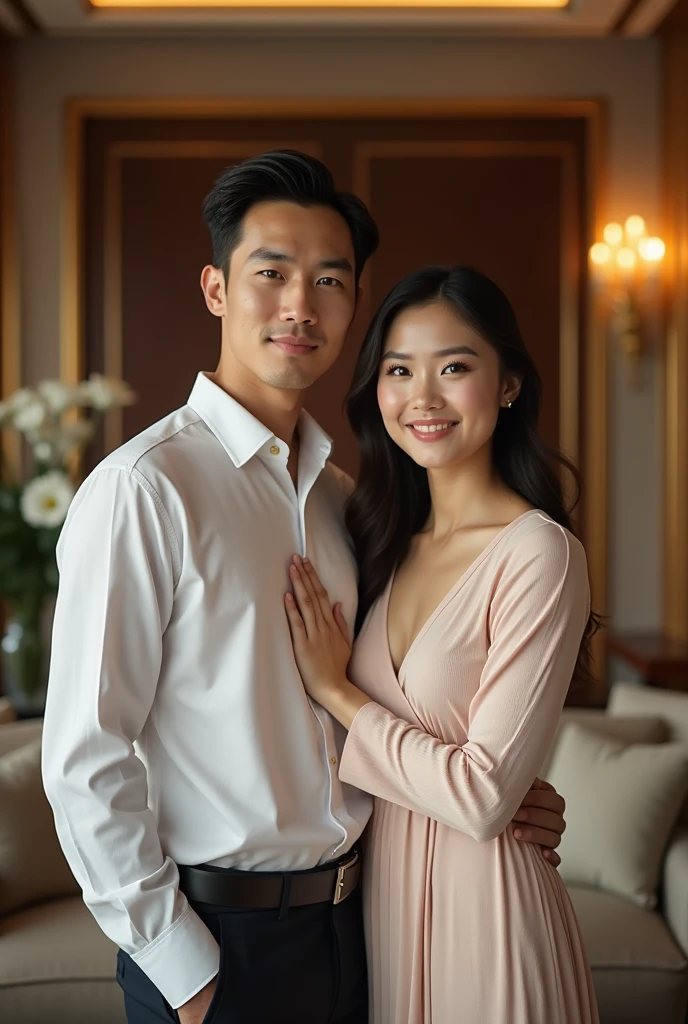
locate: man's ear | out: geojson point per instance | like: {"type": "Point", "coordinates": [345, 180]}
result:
{"type": "Point", "coordinates": [214, 290]}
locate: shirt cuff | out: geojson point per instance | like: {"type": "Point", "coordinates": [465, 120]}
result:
{"type": "Point", "coordinates": [182, 960]}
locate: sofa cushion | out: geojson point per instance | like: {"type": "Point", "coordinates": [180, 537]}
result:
{"type": "Point", "coordinates": [32, 865]}
{"type": "Point", "coordinates": [621, 805]}
{"type": "Point", "coordinates": [639, 972]}
{"type": "Point", "coordinates": [18, 734]}
{"type": "Point", "coordinates": [628, 699]}
{"type": "Point", "coordinates": [55, 939]}
{"type": "Point", "coordinates": [619, 934]}
{"type": "Point", "coordinates": [675, 886]}
{"type": "Point", "coordinates": [56, 965]}
{"type": "Point", "coordinates": [628, 728]}
{"type": "Point", "coordinates": [63, 1002]}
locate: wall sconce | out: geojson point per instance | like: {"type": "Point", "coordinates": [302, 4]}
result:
{"type": "Point", "coordinates": [625, 269]}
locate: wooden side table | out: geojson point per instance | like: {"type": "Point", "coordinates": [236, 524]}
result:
{"type": "Point", "coordinates": [661, 661]}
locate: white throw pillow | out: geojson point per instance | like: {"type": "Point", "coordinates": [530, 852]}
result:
{"type": "Point", "coordinates": [622, 802]}
{"type": "Point", "coordinates": [626, 728]}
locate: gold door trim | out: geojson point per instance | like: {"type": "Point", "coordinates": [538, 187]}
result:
{"type": "Point", "coordinates": [9, 260]}
{"type": "Point", "coordinates": [302, 107]}
{"type": "Point", "coordinates": [675, 604]}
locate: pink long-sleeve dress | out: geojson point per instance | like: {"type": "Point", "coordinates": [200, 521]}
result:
{"type": "Point", "coordinates": [465, 924]}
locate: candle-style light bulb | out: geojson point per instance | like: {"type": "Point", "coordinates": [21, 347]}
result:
{"type": "Point", "coordinates": [626, 258]}
{"type": "Point", "coordinates": [613, 234]}
{"type": "Point", "coordinates": [600, 253]}
{"type": "Point", "coordinates": [651, 249]}
{"type": "Point", "coordinates": [635, 227]}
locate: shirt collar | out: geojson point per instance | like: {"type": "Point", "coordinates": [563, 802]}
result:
{"type": "Point", "coordinates": [241, 434]}
{"type": "Point", "coordinates": [313, 439]}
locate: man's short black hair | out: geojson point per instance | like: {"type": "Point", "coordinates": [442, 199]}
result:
{"type": "Point", "coordinates": [284, 175]}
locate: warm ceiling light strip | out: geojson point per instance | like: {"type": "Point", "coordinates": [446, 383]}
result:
{"type": "Point", "coordinates": [200, 5]}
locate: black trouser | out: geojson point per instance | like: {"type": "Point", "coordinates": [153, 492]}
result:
{"type": "Point", "coordinates": [306, 968]}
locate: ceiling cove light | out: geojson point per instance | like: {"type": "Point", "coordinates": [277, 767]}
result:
{"type": "Point", "coordinates": [208, 5]}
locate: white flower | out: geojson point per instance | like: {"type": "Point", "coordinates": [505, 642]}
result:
{"type": "Point", "coordinates": [105, 392]}
{"type": "Point", "coordinates": [16, 405]}
{"type": "Point", "coordinates": [46, 499]}
{"type": "Point", "coordinates": [57, 395]}
{"type": "Point", "coordinates": [43, 451]}
{"type": "Point", "coordinates": [30, 416]}
{"type": "Point", "coordinates": [22, 397]}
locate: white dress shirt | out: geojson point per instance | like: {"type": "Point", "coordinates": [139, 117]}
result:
{"type": "Point", "coordinates": [177, 728]}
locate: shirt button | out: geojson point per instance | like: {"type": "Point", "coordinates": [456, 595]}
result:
{"type": "Point", "coordinates": [333, 760]}
{"type": "Point", "coordinates": [274, 450]}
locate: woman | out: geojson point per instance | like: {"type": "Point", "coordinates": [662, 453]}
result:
{"type": "Point", "coordinates": [475, 610]}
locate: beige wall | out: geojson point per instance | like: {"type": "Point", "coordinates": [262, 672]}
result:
{"type": "Point", "coordinates": [626, 74]}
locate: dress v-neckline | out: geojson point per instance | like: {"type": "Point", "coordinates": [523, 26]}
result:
{"type": "Point", "coordinates": [453, 590]}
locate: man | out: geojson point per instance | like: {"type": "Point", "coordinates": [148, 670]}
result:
{"type": "Point", "coordinates": [195, 786]}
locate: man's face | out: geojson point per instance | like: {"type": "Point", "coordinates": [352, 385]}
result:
{"type": "Point", "coordinates": [290, 295]}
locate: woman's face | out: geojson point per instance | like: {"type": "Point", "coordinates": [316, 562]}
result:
{"type": "Point", "coordinates": [440, 387]}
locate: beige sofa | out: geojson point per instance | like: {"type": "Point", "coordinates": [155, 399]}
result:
{"type": "Point", "coordinates": [639, 958]}
{"type": "Point", "coordinates": [56, 966]}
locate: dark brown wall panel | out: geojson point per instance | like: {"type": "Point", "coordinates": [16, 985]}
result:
{"type": "Point", "coordinates": [164, 246]}
{"type": "Point", "coordinates": [497, 213]}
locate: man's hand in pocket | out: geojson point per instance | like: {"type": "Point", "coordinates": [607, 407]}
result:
{"type": "Point", "coordinates": [194, 1011]}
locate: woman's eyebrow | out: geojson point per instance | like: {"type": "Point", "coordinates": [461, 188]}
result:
{"type": "Point", "coordinates": [460, 350]}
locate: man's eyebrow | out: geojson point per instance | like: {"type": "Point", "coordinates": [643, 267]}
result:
{"type": "Point", "coordinates": [271, 256]}
{"type": "Point", "coordinates": [461, 350]}
{"type": "Point", "coordinates": [337, 264]}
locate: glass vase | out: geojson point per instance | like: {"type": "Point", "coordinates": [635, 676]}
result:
{"type": "Point", "coordinates": [25, 659]}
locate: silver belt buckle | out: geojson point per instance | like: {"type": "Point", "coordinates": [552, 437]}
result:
{"type": "Point", "coordinates": [341, 872]}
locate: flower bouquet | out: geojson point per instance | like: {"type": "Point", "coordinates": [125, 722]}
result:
{"type": "Point", "coordinates": [32, 512]}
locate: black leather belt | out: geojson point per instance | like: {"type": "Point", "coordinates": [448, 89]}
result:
{"type": "Point", "coordinates": [263, 890]}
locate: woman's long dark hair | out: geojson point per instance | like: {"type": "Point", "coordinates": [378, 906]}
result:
{"type": "Point", "coordinates": [391, 501]}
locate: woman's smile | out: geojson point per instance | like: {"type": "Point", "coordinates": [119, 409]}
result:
{"type": "Point", "coordinates": [429, 431]}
